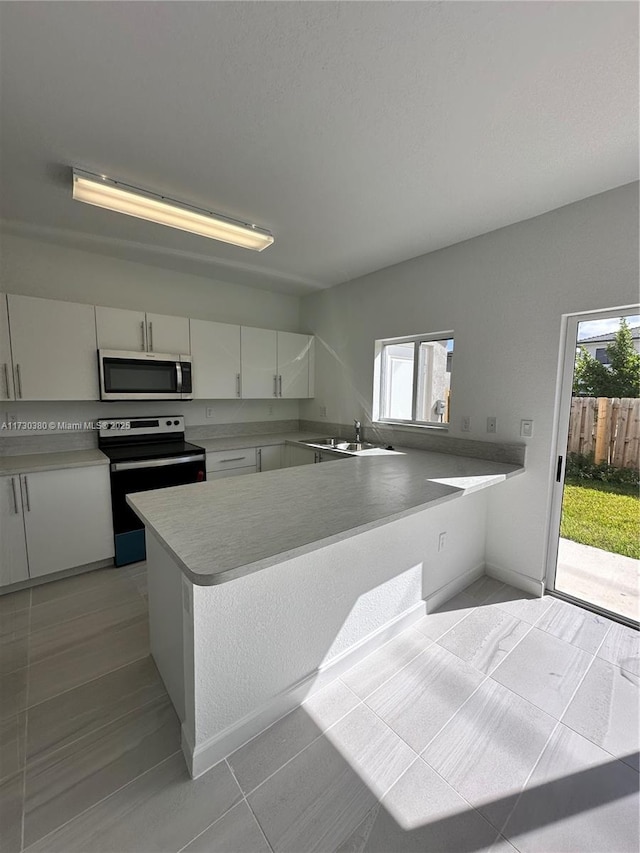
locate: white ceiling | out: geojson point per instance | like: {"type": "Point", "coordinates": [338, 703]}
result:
{"type": "Point", "coordinates": [360, 133]}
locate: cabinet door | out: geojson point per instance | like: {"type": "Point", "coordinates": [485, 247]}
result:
{"type": "Point", "coordinates": [215, 350]}
{"type": "Point", "coordinates": [293, 364]}
{"type": "Point", "coordinates": [67, 515]}
{"type": "Point", "coordinates": [300, 456]}
{"type": "Point", "coordinates": [54, 349]}
{"type": "Point", "coordinates": [168, 334]}
{"type": "Point", "coordinates": [232, 472]}
{"type": "Point", "coordinates": [118, 328]}
{"type": "Point", "coordinates": [6, 365]}
{"type": "Point", "coordinates": [258, 354]}
{"type": "Point", "coordinates": [270, 457]}
{"type": "Point", "coordinates": [13, 550]}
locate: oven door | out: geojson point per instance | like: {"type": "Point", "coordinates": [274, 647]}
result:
{"type": "Point", "coordinates": [144, 376]}
{"type": "Point", "coordinates": [130, 477]}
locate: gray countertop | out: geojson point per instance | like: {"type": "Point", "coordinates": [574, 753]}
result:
{"type": "Point", "coordinates": [221, 530]}
{"type": "Point", "coordinates": [240, 442]}
{"type": "Point", "coordinates": [30, 463]}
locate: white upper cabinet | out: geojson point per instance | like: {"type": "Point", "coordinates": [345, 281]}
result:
{"type": "Point", "coordinates": [54, 349]}
{"type": "Point", "coordinates": [259, 356]}
{"type": "Point", "coordinates": [293, 364]}
{"type": "Point", "coordinates": [215, 350]}
{"type": "Point", "coordinates": [120, 329]}
{"type": "Point", "coordinates": [13, 549]}
{"type": "Point", "coordinates": [168, 334]}
{"type": "Point", "coordinates": [6, 365]}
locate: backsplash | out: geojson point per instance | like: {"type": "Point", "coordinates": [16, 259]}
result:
{"type": "Point", "coordinates": [437, 442]}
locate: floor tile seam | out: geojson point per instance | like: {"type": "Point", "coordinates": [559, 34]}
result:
{"type": "Point", "coordinates": [449, 719]}
{"type": "Point", "coordinates": [571, 642]}
{"type": "Point", "coordinates": [581, 682]}
{"type": "Point", "coordinates": [299, 752]}
{"type": "Point", "coordinates": [259, 825]}
{"type": "Point", "coordinates": [33, 763]}
{"type": "Point", "coordinates": [502, 660]}
{"type": "Point", "coordinates": [526, 782]}
{"type": "Point", "coordinates": [108, 581]}
{"type": "Point", "coordinates": [499, 833]}
{"type": "Point", "coordinates": [451, 627]}
{"type": "Point", "coordinates": [533, 624]}
{"type": "Point", "coordinates": [286, 714]}
{"type": "Point", "coordinates": [83, 683]}
{"type": "Point", "coordinates": [117, 625]}
{"type": "Point", "coordinates": [101, 800]}
{"type": "Point", "coordinates": [395, 672]}
{"type": "Point", "coordinates": [495, 592]}
{"type": "Point", "coordinates": [26, 735]}
{"type": "Point", "coordinates": [599, 745]}
{"type": "Point", "coordinates": [245, 800]}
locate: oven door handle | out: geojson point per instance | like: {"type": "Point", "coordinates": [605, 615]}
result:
{"type": "Point", "coordinates": [156, 463]}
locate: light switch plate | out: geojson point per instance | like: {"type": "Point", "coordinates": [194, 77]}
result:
{"type": "Point", "coordinates": [465, 425]}
{"type": "Point", "coordinates": [526, 428]}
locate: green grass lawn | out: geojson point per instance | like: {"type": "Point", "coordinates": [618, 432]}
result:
{"type": "Point", "coordinates": [602, 515]}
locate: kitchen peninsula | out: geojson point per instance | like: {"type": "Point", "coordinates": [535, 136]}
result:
{"type": "Point", "coordinates": [265, 587]}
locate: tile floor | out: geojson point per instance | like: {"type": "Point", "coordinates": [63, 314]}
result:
{"type": "Point", "coordinates": [499, 723]}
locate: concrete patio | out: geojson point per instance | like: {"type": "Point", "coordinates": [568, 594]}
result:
{"type": "Point", "coordinates": [608, 580]}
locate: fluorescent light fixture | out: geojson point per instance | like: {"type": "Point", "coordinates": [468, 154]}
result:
{"type": "Point", "coordinates": [122, 198]}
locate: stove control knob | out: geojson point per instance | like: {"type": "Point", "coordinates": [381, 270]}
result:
{"type": "Point", "coordinates": [176, 423]}
{"type": "Point", "coordinates": [168, 423]}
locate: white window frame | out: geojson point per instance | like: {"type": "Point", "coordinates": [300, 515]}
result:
{"type": "Point", "coordinates": [379, 378]}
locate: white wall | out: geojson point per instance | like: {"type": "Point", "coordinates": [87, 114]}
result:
{"type": "Point", "coordinates": [36, 268]}
{"type": "Point", "coordinates": [504, 295]}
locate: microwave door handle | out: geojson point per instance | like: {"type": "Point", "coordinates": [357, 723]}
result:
{"type": "Point", "coordinates": [178, 377]}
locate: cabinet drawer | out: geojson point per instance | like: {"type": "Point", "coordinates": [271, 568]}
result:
{"type": "Point", "coordinates": [232, 472]}
{"type": "Point", "coordinates": [222, 460]}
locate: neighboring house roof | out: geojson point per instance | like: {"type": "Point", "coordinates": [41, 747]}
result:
{"type": "Point", "coordinates": [609, 336]}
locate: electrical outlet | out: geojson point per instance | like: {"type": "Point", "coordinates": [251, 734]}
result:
{"type": "Point", "coordinates": [442, 540]}
{"type": "Point", "coordinates": [466, 424]}
{"type": "Point", "coordinates": [208, 412]}
{"type": "Point", "coordinates": [270, 409]}
{"type": "Point", "coordinates": [492, 425]}
{"type": "Point", "coordinates": [526, 428]}
{"type": "Point", "coordinates": [323, 411]}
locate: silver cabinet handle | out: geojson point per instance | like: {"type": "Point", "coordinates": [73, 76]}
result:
{"type": "Point", "coordinates": [6, 379]}
{"type": "Point", "coordinates": [144, 340]}
{"type": "Point", "coordinates": [235, 459]}
{"type": "Point", "coordinates": [280, 385]}
{"type": "Point", "coordinates": [15, 496]}
{"type": "Point", "coordinates": [315, 456]}
{"type": "Point", "coordinates": [237, 384]}
{"type": "Point", "coordinates": [26, 492]}
{"type": "Point", "coordinates": [259, 459]}
{"type": "Point", "coordinates": [275, 386]}
{"type": "Point", "coordinates": [150, 337]}
{"type": "Point", "coordinates": [18, 381]}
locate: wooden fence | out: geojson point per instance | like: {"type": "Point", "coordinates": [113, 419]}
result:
{"type": "Point", "coordinates": [607, 427]}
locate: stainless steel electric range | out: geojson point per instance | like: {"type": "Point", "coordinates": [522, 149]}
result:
{"type": "Point", "coordinates": [145, 454]}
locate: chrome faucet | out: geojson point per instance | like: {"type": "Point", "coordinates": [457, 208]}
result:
{"type": "Point", "coordinates": [357, 425]}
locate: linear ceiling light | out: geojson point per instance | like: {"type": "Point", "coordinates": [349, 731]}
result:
{"type": "Point", "coordinates": [122, 198]}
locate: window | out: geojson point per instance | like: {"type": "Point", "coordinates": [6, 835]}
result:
{"type": "Point", "coordinates": [602, 355]}
{"type": "Point", "coordinates": [413, 379]}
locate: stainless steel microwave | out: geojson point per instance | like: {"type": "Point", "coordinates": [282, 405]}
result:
{"type": "Point", "coordinates": [144, 376]}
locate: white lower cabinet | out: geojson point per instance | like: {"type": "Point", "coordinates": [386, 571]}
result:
{"type": "Point", "coordinates": [269, 458]}
{"type": "Point", "coordinates": [299, 456]}
{"type": "Point", "coordinates": [55, 520]}
{"type": "Point", "coordinates": [232, 472]}
{"type": "Point", "coordinates": [13, 546]}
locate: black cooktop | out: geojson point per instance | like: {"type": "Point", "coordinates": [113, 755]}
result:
{"type": "Point", "coordinates": [151, 450]}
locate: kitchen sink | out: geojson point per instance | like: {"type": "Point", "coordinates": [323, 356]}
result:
{"type": "Point", "coordinates": [340, 444]}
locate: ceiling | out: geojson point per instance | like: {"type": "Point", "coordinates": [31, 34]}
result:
{"type": "Point", "coordinates": [360, 133]}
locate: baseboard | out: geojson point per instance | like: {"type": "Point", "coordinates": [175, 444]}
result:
{"type": "Point", "coordinates": [57, 576]}
{"type": "Point", "coordinates": [523, 582]}
{"type": "Point", "coordinates": [202, 758]}
{"type": "Point", "coordinates": [438, 598]}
